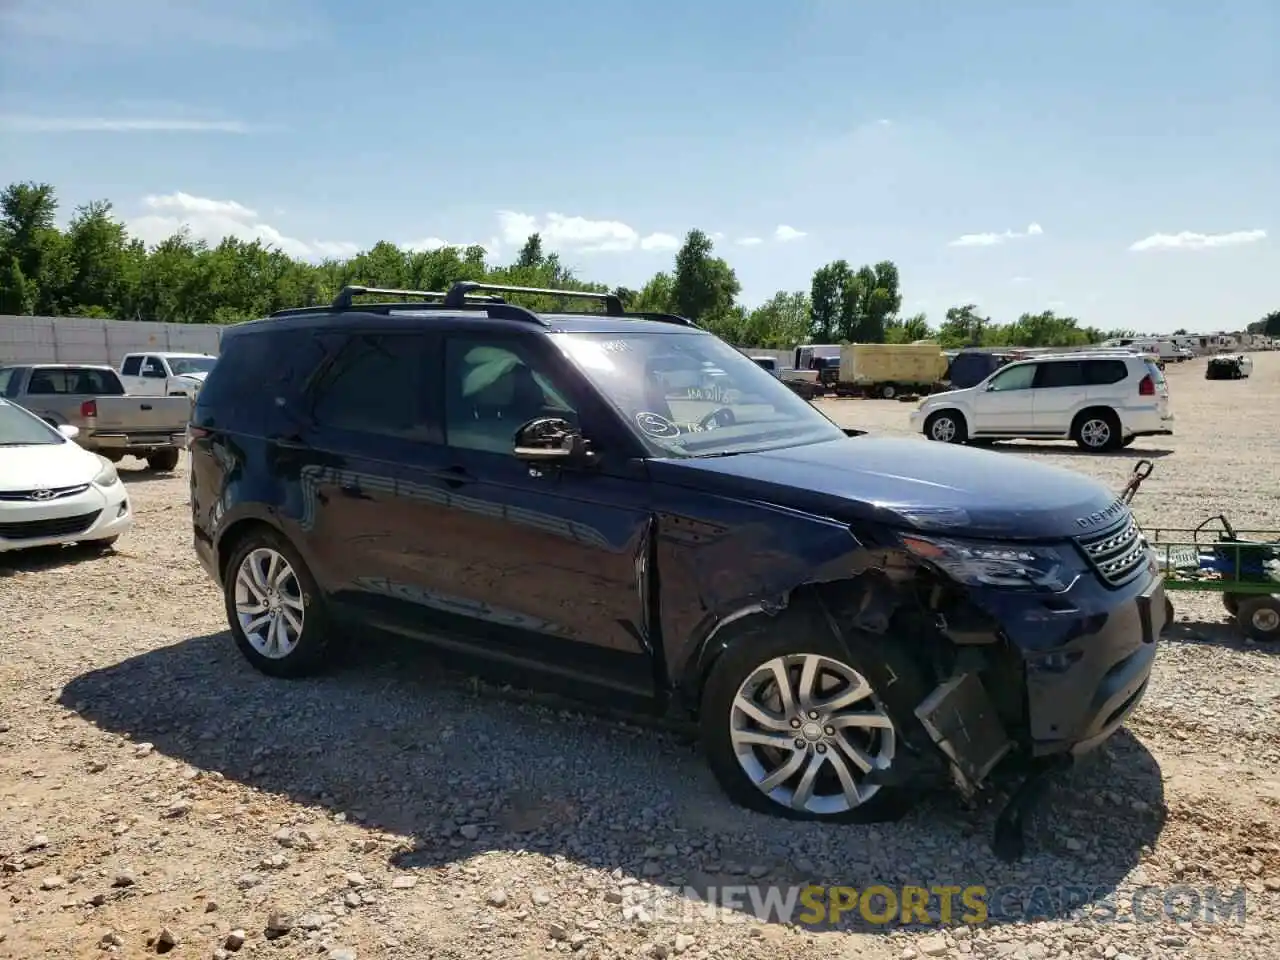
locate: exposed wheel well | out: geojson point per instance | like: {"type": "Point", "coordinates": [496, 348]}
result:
{"type": "Point", "coordinates": [805, 609]}
{"type": "Point", "coordinates": [955, 412]}
{"type": "Point", "coordinates": [1103, 411]}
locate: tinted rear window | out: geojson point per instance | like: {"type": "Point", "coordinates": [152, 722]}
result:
{"type": "Point", "coordinates": [1103, 372]}
{"type": "Point", "coordinates": [255, 368]}
{"type": "Point", "coordinates": [74, 381]}
{"type": "Point", "coordinates": [1062, 373]}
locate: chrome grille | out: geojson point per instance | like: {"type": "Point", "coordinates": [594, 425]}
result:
{"type": "Point", "coordinates": [46, 494]}
{"type": "Point", "coordinates": [1116, 554]}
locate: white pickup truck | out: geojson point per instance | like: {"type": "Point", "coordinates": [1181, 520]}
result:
{"type": "Point", "coordinates": [165, 374]}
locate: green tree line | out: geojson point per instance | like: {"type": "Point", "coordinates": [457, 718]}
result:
{"type": "Point", "coordinates": [93, 268]}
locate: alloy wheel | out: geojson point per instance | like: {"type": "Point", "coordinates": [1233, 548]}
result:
{"type": "Point", "coordinates": [1095, 433]}
{"type": "Point", "coordinates": [807, 729]}
{"type": "Point", "coordinates": [943, 430]}
{"type": "Point", "coordinates": [269, 604]}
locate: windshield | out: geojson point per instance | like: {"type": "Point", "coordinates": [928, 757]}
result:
{"type": "Point", "coordinates": [181, 366]}
{"type": "Point", "coordinates": [20, 429]}
{"type": "Point", "coordinates": [693, 395]}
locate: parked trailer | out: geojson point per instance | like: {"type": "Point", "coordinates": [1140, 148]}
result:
{"type": "Point", "coordinates": [888, 369]}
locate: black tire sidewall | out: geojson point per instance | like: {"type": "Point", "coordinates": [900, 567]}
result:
{"type": "Point", "coordinates": [961, 434]}
{"type": "Point", "coordinates": [164, 460]}
{"type": "Point", "coordinates": [759, 645]}
{"type": "Point", "coordinates": [1244, 617]}
{"type": "Point", "coordinates": [1112, 421]}
{"type": "Point", "coordinates": [311, 653]}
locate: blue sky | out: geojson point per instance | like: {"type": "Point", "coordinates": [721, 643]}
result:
{"type": "Point", "coordinates": [1007, 154]}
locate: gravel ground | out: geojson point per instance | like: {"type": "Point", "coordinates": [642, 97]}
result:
{"type": "Point", "coordinates": [158, 796]}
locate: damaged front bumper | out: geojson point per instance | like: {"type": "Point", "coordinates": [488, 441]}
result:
{"type": "Point", "coordinates": [1053, 676]}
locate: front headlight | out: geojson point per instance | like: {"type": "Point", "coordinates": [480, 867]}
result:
{"type": "Point", "coordinates": [107, 476]}
{"type": "Point", "coordinates": [978, 564]}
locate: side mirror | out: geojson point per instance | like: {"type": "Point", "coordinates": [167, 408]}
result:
{"type": "Point", "coordinates": [69, 430]}
{"type": "Point", "coordinates": [548, 439]}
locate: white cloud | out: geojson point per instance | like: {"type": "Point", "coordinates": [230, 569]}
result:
{"type": "Point", "coordinates": [578, 234]}
{"type": "Point", "coordinates": [785, 234]}
{"type": "Point", "coordinates": [21, 123]}
{"type": "Point", "coordinates": [213, 220]}
{"type": "Point", "coordinates": [660, 241]}
{"type": "Point", "coordinates": [994, 239]}
{"type": "Point", "coordinates": [1020, 280]}
{"type": "Point", "coordinates": [1186, 240]}
{"type": "Point", "coordinates": [749, 241]}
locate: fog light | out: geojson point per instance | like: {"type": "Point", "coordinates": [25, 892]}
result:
{"type": "Point", "coordinates": [122, 509]}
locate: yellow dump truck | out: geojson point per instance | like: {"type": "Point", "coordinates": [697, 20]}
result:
{"type": "Point", "coordinates": [888, 369]}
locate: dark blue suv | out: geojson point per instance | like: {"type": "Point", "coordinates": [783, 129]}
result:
{"type": "Point", "coordinates": [624, 506]}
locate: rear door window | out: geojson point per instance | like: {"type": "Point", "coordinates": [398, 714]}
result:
{"type": "Point", "coordinates": [1060, 373]}
{"type": "Point", "coordinates": [132, 366]}
{"type": "Point", "coordinates": [379, 383]}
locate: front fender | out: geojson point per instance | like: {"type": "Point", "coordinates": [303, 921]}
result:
{"type": "Point", "coordinates": [733, 560]}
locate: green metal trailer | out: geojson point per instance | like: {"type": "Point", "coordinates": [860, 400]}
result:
{"type": "Point", "coordinates": [1242, 565]}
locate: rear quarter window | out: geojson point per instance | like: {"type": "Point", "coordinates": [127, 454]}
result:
{"type": "Point", "coordinates": [1101, 373]}
{"type": "Point", "coordinates": [253, 369]}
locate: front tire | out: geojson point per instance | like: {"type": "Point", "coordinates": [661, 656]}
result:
{"type": "Point", "coordinates": [792, 726]}
{"type": "Point", "coordinates": [274, 607]}
{"type": "Point", "coordinates": [946, 426]}
{"type": "Point", "coordinates": [1097, 431]}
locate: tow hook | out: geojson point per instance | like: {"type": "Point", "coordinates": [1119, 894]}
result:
{"type": "Point", "coordinates": [1008, 841]}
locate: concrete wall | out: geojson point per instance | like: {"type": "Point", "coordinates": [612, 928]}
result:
{"type": "Point", "coordinates": [85, 340]}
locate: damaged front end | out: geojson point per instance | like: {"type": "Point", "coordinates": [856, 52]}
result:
{"type": "Point", "coordinates": [1025, 659]}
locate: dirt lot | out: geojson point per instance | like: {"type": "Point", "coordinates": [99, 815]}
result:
{"type": "Point", "coordinates": [155, 790]}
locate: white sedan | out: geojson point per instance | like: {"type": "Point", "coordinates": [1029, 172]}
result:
{"type": "Point", "coordinates": [53, 491]}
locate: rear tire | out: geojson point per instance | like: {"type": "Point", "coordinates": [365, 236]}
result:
{"type": "Point", "coordinates": [1259, 618]}
{"type": "Point", "coordinates": [888, 391]}
{"type": "Point", "coordinates": [946, 426]}
{"type": "Point", "coordinates": [163, 461]}
{"type": "Point", "coordinates": [1231, 601]}
{"type": "Point", "coordinates": [274, 607]}
{"type": "Point", "coordinates": [1097, 431]}
{"type": "Point", "coordinates": [772, 755]}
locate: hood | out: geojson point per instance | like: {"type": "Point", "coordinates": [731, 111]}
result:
{"type": "Point", "coordinates": [46, 465]}
{"type": "Point", "coordinates": [944, 395]}
{"type": "Point", "coordinates": [908, 484]}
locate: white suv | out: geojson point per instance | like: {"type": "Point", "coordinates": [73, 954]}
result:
{"type": "Point", "coordinates": [1101, 400]}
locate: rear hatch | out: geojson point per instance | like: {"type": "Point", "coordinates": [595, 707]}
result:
{"type": "Point", "coordinates": [142, 415]}
{"type": "Point", "coordinates": [1162, 387]}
